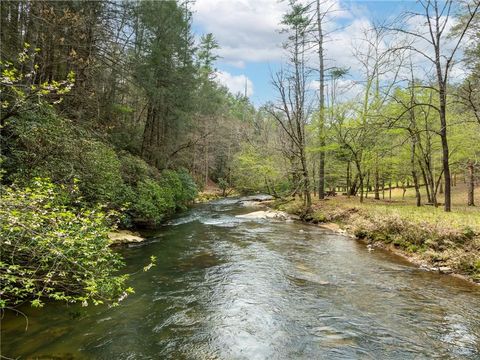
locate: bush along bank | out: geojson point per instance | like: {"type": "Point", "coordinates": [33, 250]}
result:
{"type": "Point", "coordinates": [62, 192]}
{"type": "Point", "coordinates": [43, 145]}
{"type": "Point", "coordinates": [435, 243]}
{"type": "Point", "coordinates": [55, 249]}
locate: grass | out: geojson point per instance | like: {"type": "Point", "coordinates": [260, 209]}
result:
{"type": "Point", "coordinates": [427, 235]}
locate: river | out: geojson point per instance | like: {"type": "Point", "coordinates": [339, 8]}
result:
{"type": "Point", "coordinates": [232, 288]}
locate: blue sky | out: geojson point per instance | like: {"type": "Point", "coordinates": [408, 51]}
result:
{"type": "Point", "coordinates": [247, 32]}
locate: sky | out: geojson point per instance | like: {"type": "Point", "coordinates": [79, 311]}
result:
{"type": "Point", "coordinates": [250, 43]}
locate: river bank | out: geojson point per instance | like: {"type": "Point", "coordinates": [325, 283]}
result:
{"type": "Point", "coordinates": [427, 237]}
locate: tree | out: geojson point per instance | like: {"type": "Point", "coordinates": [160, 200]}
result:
{"type": "Point", "coordinates": [165, 71]}
{"type": "Point", "coordinates": [291, 111]}
{"type": "Point", "coordinates": [436, 16]}
{"type": "Point", "coordinates": [381, 68]}
{"type": "Point", "coordinates": [321, 94]}
{"type": "Point", "coordinates": [19, 90]}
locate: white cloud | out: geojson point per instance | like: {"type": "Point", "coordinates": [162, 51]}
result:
{"type": "Point", "coordinates": [340, 45]}
{"type": "Point", "coordinates": [248, 30]}
{"type": "Point", "coordinates": [235, 83]}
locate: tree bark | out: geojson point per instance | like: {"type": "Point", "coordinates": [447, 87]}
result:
{"type": "Point", "coordinates": [471, 183]}
{"type": "Point", "coordinates": [368, 184]}
{"type": "Point", "coordinates": [348, 180]}
{"type": "Point", "coordinates": [321, 169]}
{"type": "Point", "coordinates": [377, 184]}
{"type": "Point", "coordinates": [418, 197]}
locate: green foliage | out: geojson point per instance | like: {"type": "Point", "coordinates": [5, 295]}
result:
{"type": "Point", "coordinates": [19, 93]}
{"type": "Point", "coordinates": [134, 169]}
{"type": "Point", "coordinates": [53, 250]}
{"type": "Point", "coordinates": [45, 145]}
{"type": "Point", "coordinates": [98, 167]}
{"type": "Point", "coordinates": [223, 185]}
{"type": "Point", "coordinates": [153, 200]}
{"type": "Point", "coordinates": [40, 144]}
{"type": "Point", "coordinates": [253, 170]}
{"type": "Point", "coordinates": [181, 185]}
{"type": "Point", "coordinates": [189, 188]}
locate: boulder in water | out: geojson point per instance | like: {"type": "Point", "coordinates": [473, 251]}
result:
{"type": "Point", "coordinates": [267, 214]}
{"type": "Point", "coordinates": [121, 237]}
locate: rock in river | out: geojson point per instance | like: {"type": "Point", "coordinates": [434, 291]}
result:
{"type": "Point", "coordinates": [267, 214]}
{"type": "Point", "coordinates": [120, 237]}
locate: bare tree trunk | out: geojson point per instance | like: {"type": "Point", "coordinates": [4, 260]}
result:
{"type": "Point", "coordinates": [206, 161]}
{"type": "Point", "coordinates": [390, 190]}
{"type": "Point", "coordinates": [306, 180]}
{"type": "Point", "coordinates": [471, 184]}
{"type": "Point", "coordinates": [443, 135]}
{"type": "Point", "coordinates": [348, 180]}
{"type": "Point", "coordinates": [383, 188]}
{"type": "Point", "coordinates": [377, 184]}
{"type": "Point", "coordinates": [313, 179]}
{"type": "Point", "coordinates": [368, 184]}
{"type": "Point", "coordinates": [360, 177]}
{"type": "Point", "coordinates": [353, 188]}
{"type": "Point", "coordinates": [414, 173]}
{"type": "Point", "coordinates": [321, 169]}
{"type": "Point", "coordinates": [425, 180]}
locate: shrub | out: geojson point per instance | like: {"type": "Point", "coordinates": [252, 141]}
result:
{"type": "Point", "coordinates": [98, 168]}
{"type": "Point", "coordinates": [39, 144]}
{"type": "Point", "coordinates": [189, 188]}
{"type": "Point", "coordinates": [181, 185]}
{"type": "Point", "coordinates": [134, 170]}
{"type": "Point", "coordinates": [43, 144]}
{"type": "Point", "coordinates": [52, 250]}
{"type": "Point", "coordinates": [152, 201]}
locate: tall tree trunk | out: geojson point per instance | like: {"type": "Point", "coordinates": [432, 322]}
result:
{"type": "Point", "coordinates": [306, 181]}
{"type": "Point", "coordinates": [313, 179]}
{"type": "Point", "coordinates": [353, 188]}
{"type": "Point", "coordinates": [425, 180]}
{"type": "Point", "coordinates": [146, 150]}
{"type": "Point", "coordinates": [471, 183]}
{"type": "Point", "coordinates": [348, 180]}
{"type": "Point", "coordinates": [206, 161]}
{"type": "Point", "coordinates": [383, 188]}
{"type": "Point", "coordinates": [390, 190]}
{"type": "Point", "coordinates": [377, 184]}
{"type": "Point", "coordinates": [321, 169]}
{"type": "Point", "coordinates": [360, 177]}
{"type": "Point", "coordinates": [368, 184]}
{"type": "Point", "coordinates": [442, 93]}
{"type": "Point", "coordinates": [414, 173]}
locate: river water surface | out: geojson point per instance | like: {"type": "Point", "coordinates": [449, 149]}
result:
{"type": "Point", "coordinates": [232, 288]}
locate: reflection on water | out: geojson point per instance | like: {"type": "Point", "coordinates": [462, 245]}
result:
{"type": "Point", "coordinates": [233, 288]}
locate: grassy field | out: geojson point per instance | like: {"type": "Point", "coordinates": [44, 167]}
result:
{"type": "Point", "coordinates": [461, 215]}
{"type": "Point", "coordinates": [448, 242]}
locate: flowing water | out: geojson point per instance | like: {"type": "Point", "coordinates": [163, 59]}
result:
{"type": "Point", "coordinates": [232, 288]}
